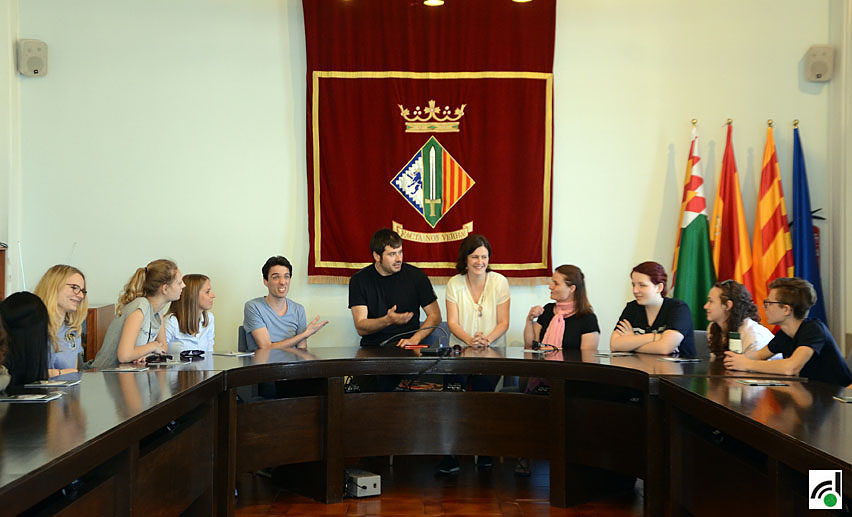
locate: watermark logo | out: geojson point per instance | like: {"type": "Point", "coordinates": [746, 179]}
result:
{"type": "Point", "coordinates": [824, 489]}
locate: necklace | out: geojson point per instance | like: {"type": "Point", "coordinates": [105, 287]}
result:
{"type": "Point", "coordinates": [470, 289]}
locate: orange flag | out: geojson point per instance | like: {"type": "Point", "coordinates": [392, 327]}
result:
{"type": "Point", "coordinates": [728, 234]}
{"type": "Point", "coordinates": [773, 247]}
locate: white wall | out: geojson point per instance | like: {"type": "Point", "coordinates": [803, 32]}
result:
{"type": "Point", "coordinates": [9, 115]}
{"type": "Point", "coordinates": [177, 129]}
{"type": "Point", "coordinates": [840, 161]}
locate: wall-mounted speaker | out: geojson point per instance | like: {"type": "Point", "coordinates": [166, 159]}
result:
{"type": "Point", "coordinates": [819, 63]}
{"type": "Point", "coordinates": [32, 57]}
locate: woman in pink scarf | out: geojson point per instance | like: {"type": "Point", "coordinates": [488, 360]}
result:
{"type": "Point", "coordinates": [567, 323]}
{"type": "Point", "coordinates": [570, 322]}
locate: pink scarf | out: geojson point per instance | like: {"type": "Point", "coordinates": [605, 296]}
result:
{"type": "Point", "coordinates": [556, 329]}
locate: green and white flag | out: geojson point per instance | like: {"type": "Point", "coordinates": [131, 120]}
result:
{"type": "Point", "coordinates": [692, 273]}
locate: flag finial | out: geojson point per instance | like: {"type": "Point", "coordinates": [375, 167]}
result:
{"type": "Point", "coordinates": [769, 122]}
{"type": "Point", "coordinates": [796, 123]}
{"type": "Point", "coordinates": [694, 122]}
{"type": "Point", "coordinates": [729, 122]}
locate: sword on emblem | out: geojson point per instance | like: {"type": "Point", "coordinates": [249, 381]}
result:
{"type": "Point", "coordinates": [432, 201]}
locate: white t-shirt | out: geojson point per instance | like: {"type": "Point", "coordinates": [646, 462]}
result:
{"type": "Point", "coordinates": [471, 319]}
{"type": "Point", "coordinates": [178, 341]}
{"type": "Point", "coordinates": [753, 332]}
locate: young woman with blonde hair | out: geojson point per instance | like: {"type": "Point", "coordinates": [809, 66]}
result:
{"type": "Point", "coordinates": [137, 331]}
{"type": "Point", "coordinates": [189, 322]}
{"type": "Point", "coordinates": [63, 291]}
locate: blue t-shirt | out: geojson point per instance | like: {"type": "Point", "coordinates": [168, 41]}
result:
{"type": "Point", "coordinates": [258, 314]}
{"type": "Point", "coordinates": [69, 344]}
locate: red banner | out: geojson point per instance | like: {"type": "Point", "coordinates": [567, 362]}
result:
{"type": "Point", "coordinates": [432, 134]}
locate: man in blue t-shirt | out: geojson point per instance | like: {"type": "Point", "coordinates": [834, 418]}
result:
{"type": "Point", "coordinates": [386, 296]}
{"type": "Point", "coordinates": [808, 347]}
{"type": "Point", "coordinates": [275, 321]}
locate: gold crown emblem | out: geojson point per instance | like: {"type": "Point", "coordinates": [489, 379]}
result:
{"type": "Point", "coordinates": [432, 119]}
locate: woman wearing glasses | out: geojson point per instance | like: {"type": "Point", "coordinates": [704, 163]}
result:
{"type": "Point", "coordinates": [652, 323]}
{"type": "Point", "coordinates": [63, 291]}
{"type": "Point", "coordinates": [730, 309]}
{"type": "Point", "coordinates": [569, 321]}
{"type": "Point", "coordinates": [189, 324]}
{"type": "Point", "coordinates": [136, 332]}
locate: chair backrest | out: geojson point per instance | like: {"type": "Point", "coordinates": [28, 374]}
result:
{"type": "Point", "coordinates": [242, 342]}
{"type": "Point", "coordinates": [702, 345]}
{"type": "Point", "coordinates": [440, 337]}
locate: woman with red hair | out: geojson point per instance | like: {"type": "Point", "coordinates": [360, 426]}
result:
{"type": "Point", "coordinates": [653, 323]}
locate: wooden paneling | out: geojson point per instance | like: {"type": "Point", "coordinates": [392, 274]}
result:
{"type": "Point", "coordinates": [98, 319]}
{"type": "Point", "coordinates": [176, 469]}
{"type": "Point", "coordinates": [279, 432]}
{"type": "Point", "coordinates": [444, 423]}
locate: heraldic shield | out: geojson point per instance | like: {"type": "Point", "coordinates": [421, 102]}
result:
{"type": "Point", "coordinates": [432, 181]}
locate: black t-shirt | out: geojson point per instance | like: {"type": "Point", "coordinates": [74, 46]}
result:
{"type": "Point", "coordinates": [827, 363]}
{"type": "Point", "coordinates": [409, 290]}
{"type": "Point", "coordinates": [575, 327]}
{"type": "Point", "coordinates": [673, 315]}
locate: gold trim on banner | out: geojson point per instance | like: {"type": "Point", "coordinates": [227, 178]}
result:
{"type": "Point", "coordinates": [548, 150]}
{"type": "Point", "coordinates": [436, 280]}
{"type": "Point", "coordinates": [317, 205]}
{"type": "Point", "coordinates": [548, 153]}
{"type": "Point", "coordinates": [435, 265]}
{"type": "Point", "coordinates": [455, 235]}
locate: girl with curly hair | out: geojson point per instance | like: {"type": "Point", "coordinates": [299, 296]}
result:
{"type": "Point", "coordinates": [730, 309]}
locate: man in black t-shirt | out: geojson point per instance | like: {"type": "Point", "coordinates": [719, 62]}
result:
{"type": "Point", "coordinates": [808, 347]}
{"type": "Point", "coordinates": [386, 296]}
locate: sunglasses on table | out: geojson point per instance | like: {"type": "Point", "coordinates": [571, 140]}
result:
{"type": "Point", "coordinates": [192, 354]}
{"type": "Point", "coordinates": [157, 358]}
{"type": "Point", "coordinates": [544, 347]}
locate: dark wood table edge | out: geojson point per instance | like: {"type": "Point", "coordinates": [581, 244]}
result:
{"type": "Point", "coordinates": [27, 490]}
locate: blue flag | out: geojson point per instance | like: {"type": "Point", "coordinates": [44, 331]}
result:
{"type": "Point", "coordinates": [804, 247]}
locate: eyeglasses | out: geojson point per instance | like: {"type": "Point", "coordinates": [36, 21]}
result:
{"type": "Point", "coordinates": [77, 289]}
{"type": "Point", "coordinates": [767, 303]}
{"type": "Point", "coordinates": [192, 354]}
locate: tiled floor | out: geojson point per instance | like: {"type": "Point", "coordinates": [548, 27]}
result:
{"type": "Point", "coordinates": [410, 487]}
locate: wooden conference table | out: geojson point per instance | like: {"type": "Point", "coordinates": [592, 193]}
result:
{"type": "Point", "coordinates": [173, 438]}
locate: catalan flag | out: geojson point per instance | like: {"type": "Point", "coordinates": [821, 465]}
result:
{"type": "Point", "coordinates": [456, 181]}
{"type": "Point", "coordinates": [804, 246]}
{"type": "Point", "coordinates": [692, 272]}
{"type": "Point", "coordinates": [728, 234]}
{"type": "Point", "coordinates": [773, 247]}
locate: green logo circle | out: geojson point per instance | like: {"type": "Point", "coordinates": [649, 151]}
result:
{"type": "Point", "coordinates": [830, 500]}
